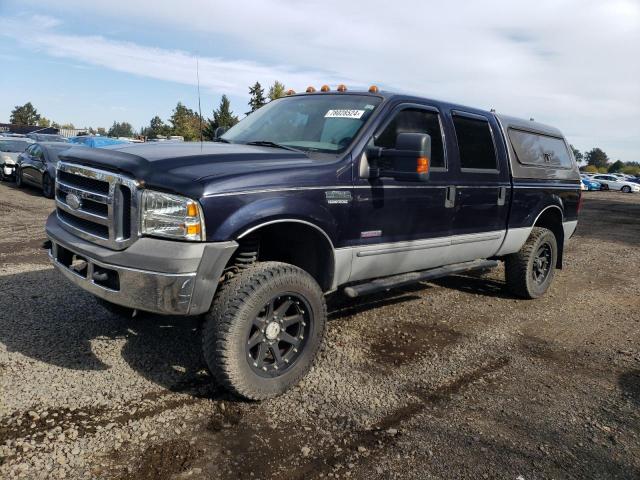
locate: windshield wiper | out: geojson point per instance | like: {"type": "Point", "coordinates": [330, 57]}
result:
{"type": "Point", "coordinates": [220, 140]}
{"type": "Point", "coordinates": [267, 143]}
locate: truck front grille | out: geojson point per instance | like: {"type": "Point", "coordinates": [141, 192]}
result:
{"type": "Point", "coordinates": [97, 205]}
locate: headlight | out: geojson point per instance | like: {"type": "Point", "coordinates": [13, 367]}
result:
{"type": "Point", "coordinates": [171, 216]}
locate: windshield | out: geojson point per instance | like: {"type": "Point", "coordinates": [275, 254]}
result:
{"type": "Point", "coordinates": [324, 123]}
{"type": "Point", "coordinates": [13, 146]}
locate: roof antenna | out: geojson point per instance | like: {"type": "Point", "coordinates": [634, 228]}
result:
{"type": "Point", "coordinates": [199, 109]}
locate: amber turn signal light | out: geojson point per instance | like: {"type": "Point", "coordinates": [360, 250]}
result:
{"type": "Point", "coordinates": [422, 165]}
{"type": "Point", "coordinates": [324, 88]}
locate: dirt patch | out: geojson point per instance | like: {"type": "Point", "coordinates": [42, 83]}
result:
{"type": "Point", "coordinates": [37, 422]}
{"type": "Point", "coordinates": [162, 461]}
{"type": "Point", "coordinates": [403, 344]}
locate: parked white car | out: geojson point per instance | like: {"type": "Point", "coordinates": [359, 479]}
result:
{"type": "Point", "coordinates": [615, 183]}
{"type": "Point", "coordinates": [10, 148]}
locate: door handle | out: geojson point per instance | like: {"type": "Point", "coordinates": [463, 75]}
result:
{"type": "Point", "coordinates": [450, 198]}
{"type": "Point", "coordinates": [502, 196]}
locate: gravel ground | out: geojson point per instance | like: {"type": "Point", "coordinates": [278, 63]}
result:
{"type": "Point", "coordinates": [447, 379]}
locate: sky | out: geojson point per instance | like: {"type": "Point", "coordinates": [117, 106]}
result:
{"type": "Point", "coordinates": [573, 64]}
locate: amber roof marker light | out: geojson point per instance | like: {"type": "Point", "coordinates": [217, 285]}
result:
{"type": "Point", "coordinates": [373, 89]}
{"type": "Point", "coordinates": [342, 88]}
{"type": "Point", "coordinates": [311, 89]}
{"type": "Point", "coordinates": [291, 92]}
{"type": "Point", "coordinates": [325, 88]}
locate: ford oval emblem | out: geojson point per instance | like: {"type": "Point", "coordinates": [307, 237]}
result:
{"type": "Point", "coordinates": [73, 201]}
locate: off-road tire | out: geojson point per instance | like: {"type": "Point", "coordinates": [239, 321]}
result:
{"type": "Point", "coordinates": [519, 266]}
{"type": "Point", "coordinates": [18, 174]}
{"type": "Point", "coordinates": [48, 186]}
{"type": "Point", "coordinates": [237, 303]}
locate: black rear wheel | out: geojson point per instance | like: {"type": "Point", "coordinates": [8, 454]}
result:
{"type": "Point", "coordinates": [264, 329]}
{"type": "Point", "coordinates": [530, 271]}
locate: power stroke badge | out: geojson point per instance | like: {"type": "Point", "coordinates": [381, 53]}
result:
{"type": "Point", "coordinates": [336, 197]}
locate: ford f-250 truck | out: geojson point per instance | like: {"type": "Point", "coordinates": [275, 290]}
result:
{"type": "Point", "coordinates": [314, 192]}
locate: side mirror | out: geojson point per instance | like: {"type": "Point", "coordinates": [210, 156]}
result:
{"type": "Point", "coordinates": [409, 161]}
{"type": "Point", "coordinates": [218, 132]}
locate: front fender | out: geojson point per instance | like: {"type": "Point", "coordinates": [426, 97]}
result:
{"type": "Point", "coordinates": [251, 213]}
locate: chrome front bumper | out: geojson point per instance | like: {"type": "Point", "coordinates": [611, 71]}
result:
{"type": "Point", "coordinates": [139, 289]}
{"type": "Point", "coordinates": [121, 277]}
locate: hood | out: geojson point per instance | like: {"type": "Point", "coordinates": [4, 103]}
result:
{"type": "Point", "coordinates": [190, 168]}
{"type": "Point", "coordinates": [8, 157]}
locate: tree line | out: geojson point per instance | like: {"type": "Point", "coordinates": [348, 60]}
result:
{"type": "Point", "coordinates": [597, 161]}
{"type": "Point", "coordinates": [183, 121]}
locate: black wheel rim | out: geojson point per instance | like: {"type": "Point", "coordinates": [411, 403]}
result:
{"type": "Point", "coordinates": [542, 263]}
{"type": "Point", "coordinates": [278, 335]}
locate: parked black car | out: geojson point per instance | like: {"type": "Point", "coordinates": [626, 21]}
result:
{"type": "Point", "coordinates": [37, 166]}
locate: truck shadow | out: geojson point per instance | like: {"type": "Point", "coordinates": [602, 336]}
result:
{"type": "Point", "coordinates": [476, 285]}
{"type": "Point", "coordinates": [47, 319]}
{"type": "Point", "coordinates": [629, 382]}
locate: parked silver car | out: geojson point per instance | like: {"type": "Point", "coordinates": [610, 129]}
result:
{"type": "Point", "coordinates": [10, 148]}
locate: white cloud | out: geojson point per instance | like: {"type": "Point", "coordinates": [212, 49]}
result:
{"type": "Point", "coordinates": [572, 63]}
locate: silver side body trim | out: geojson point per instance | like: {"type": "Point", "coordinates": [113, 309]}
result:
{"type": "Point", "coordinates": [569, 229]}
{"type": "Point", "coordinates": [514, 240]}
{"type": "Point", "coordinates": [373, 261]}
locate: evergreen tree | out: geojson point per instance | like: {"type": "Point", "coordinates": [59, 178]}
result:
{"type": "Point", "coordinates": [256, 99]}
{"type": "Point", "coordinates": [24, 115]}
{"type": "Point", "coordinates": [276, 90]}
{"type": "Point", "coordinates": [597, 158]}
{"type": "Point", "coordinates": [185, 122]}
{"type": "Point", "coordinates": [223, 116]}
{"type": "Point", "coordinates": [577, 154]}
{"type": "Point", "coordinates": [118, 129]}
{"type": "Point", "coordinates": [156, 128]}
{"type": "Point", "coordinates": [615, 167]}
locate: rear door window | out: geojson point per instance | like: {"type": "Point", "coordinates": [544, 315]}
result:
{"type": "Point", "coordinates": [475, 143]}
{"type": "Point", "coordinates": [539, 150]}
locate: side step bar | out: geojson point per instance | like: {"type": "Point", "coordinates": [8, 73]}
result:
{"type": "Point", "coordinates": [413, 277]}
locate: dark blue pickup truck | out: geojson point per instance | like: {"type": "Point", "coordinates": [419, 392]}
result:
{"type": "Point", "coordinates": [314, 192]}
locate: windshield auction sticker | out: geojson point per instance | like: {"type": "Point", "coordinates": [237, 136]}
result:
{"type": "Point", "coordinates": [344, 114]}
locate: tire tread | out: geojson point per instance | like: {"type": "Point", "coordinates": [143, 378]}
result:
{"type": "Point", "coordinates": [218, 334]}
{"type": "Point", "coordinates": [516, 265]}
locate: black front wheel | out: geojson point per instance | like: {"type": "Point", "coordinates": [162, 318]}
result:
{"type": "Point", "coordinates": [264, 329]}
{"type": "Point", "coordinates": [48, 186]}
{"type": "Point", "coordinates": [18, 174]}
{"type": "Point", "coordinates": [626, 189]}
{"type": "Point", "coordinates": [530, 271]}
